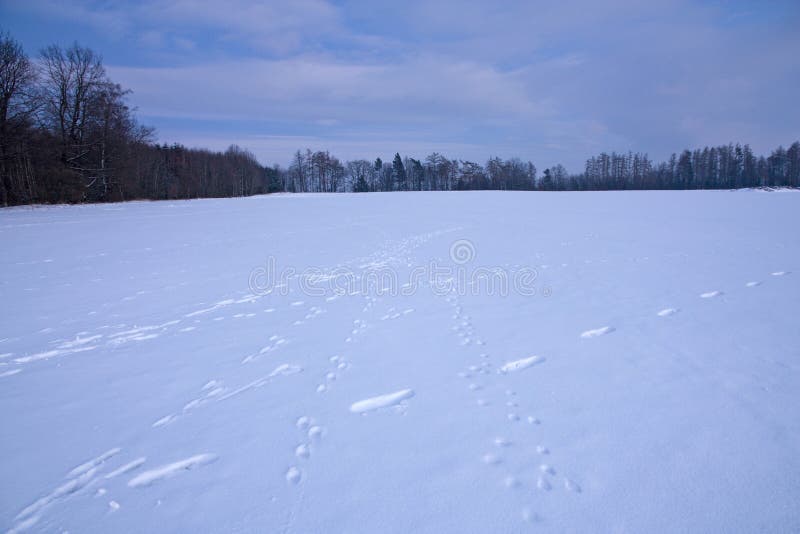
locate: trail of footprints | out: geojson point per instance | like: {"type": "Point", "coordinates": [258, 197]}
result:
{"type": "Point", "coordinates": [544, 477]}
{"type": "Point", "coordinates": [310, 432]}
{"type": "Point", "coordinates": [88, 475]}
{"type": "Point", "coordinates": [309, 435]}
{"type": "Point", "coordinates": [483, 371]}
{"type": "Point", "coordinates": [666, 312]}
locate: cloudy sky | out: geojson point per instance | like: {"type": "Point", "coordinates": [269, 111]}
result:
{"type": "Point", "coordinates": [545, 81]}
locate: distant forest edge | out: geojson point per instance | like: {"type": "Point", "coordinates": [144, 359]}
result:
{"type": "Point", "coordinates": [67, 135]}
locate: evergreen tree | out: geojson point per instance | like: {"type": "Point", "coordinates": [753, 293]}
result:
{"type": "Point", "coordinates": [399, 173]}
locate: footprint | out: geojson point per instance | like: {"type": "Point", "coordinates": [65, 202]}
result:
{"type": "Point", "coordinates": [293, 475]}
{"type": "Point", "coordinates": [315, 432]}
{"type": "Point", "coordinates": [780, 273]}
{"type": "Point", "coordinates": [547, 469]}
{"type": "Point", "coordinates": [543, 484]}
{"type": "Point", "coordinates": [710, 294]}
{"type": "Point", "coordinates": [491, 459]}
{"type": "Point", "coordinates": [302, 451]}
{"type": "Point", "coordinates": [502, 442]}
{"type": "Point", "coordinates": [529, 516]}
{"type": "Point", "coordinates": [541, 449]}
{"type": "Point", "coordinates": [571, 485]}
{"type": "Point", "coordinates": [598, 332]}
{"type": "Point", "coordinates": [752, 284]}
{"type": "Point", "coordinates": [666, 312]}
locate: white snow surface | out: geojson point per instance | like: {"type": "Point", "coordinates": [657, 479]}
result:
{"type": "Point", "coordinates": [145, 387]}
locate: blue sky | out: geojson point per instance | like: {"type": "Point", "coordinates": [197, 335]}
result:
{"type": "Point", "coordinates": [551, 82]}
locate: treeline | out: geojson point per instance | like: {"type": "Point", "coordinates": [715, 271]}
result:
{"type": "Point", "coordinates": [724, 167]}
{"type": "Point", "coordinates": [321, 172]}
{"type": "Point", "coordinates": [67, 135]}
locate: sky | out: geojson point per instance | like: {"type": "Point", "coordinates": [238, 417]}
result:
{"type": "Point", "coordinates": [549, 82]}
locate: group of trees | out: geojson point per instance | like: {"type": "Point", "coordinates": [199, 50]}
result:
{"type": "Point", "coordinates": [67, 134]}
{"type": "Point", "coordinates": [321, 172]}
{"type": "Point", "coordinates": [723, 167]}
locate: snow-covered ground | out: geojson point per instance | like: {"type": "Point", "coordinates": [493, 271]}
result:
{"type": "Point", "coordinates": [162, 368]}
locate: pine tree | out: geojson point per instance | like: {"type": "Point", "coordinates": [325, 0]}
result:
{"type": "Point", "coordinates": [399, 173]}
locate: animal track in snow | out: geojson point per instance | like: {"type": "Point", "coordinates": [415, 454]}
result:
{"type": "Point", "coordinates": [598, 332]}
{"type": "Point", "coordinates": [780, 273]}
{"type": "Point", "coordinates": [529, 516]}
{"type": "Point", "coordinates": [710, 294]}
{"type": "Point", "coordinates": [547, 469]}
{"type": "Point", "coordinates": [571, 485]}
{"type": "Point", "coordinates": [293, 475]}
{"type": "Point", "coordinates": [666, 312]}
{"type": "Point", "coordinates": [170, 470]}
{"type": "Point", "coordinates": [491, 459]}
{"type": "Point", "coordinates": [302, 451]}
{"type": "Point", "coordinates": [752, 284]}
{"type": "Point", "coordinates": [381, 401]}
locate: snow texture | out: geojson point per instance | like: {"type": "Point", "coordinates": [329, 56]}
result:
{"type": "Point", "coordinates": [155, 378]}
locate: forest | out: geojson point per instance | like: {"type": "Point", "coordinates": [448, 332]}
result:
{"type": "Point", "coordinates": [69, 135]}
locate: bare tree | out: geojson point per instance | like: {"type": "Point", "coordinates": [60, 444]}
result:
{"type": "Point", "coordinates": [73, 81]}
{"type": "Point", "coordinates": [17, 105]}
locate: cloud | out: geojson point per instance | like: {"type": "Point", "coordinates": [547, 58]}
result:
{"type": "Point", "coordinates": [266, 26]}
{"type": "Point", "coordinates": [556, 81]}
{"type": "Point", "coordinates": [424, 90]}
